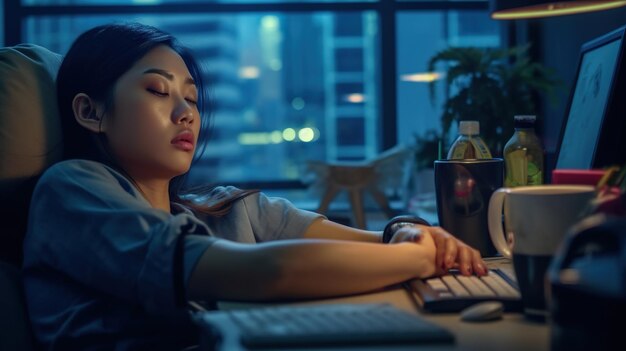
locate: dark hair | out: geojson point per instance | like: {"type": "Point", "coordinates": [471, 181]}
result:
{"type": "Point", "coordinates": [93, 64]}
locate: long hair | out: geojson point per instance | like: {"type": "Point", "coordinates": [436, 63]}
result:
{"type": "Point", "coordinates": [93, 64]}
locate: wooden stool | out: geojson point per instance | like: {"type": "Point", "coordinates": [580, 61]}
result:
{"type": "Point", "coordinates": [359, 177]}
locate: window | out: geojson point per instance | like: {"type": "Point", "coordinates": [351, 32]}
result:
{"type": "Point", "coordinates": [291, 80]}
{"type": "Point", "coordinates": [420, 35]}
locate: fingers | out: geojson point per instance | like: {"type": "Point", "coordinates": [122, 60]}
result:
{"type": "Point", "coordinates": [447, 247]}
{"type": "Point", "coordinates": [453, 253]}
{"type": "Point", "coordinates": [479, 264]}
{"type": "Point", "coordinates": [470, 261]}
{"type": "Point", "coordinates": [465, 259]}
{"type": "Point", "coordinates": [452, 250]}
{"type": "Point", "coordinates": [440, 242]}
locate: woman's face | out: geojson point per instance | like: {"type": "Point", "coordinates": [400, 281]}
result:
{"type": "Point", "coordinates": [154, 123]}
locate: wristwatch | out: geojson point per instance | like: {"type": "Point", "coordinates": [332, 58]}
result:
{"type": "Point", "coordinates": [398, 222]}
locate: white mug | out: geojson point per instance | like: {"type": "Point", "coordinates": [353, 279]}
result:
{"type": "Point", "coordinates": [536, 217]}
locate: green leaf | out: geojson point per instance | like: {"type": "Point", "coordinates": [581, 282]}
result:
{"type": "Point", "coordinates": [490, 85]}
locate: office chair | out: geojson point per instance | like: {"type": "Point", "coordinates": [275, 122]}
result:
{"type": "Point", "coordinates": [30, 141]}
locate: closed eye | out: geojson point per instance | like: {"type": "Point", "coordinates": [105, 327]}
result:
{"type": "Point", "coordinates": [192, 101]}
{"type": "Point", "coordinates": [157, 92]}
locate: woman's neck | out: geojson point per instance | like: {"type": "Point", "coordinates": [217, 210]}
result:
{"type": "Point", "coordinates": [154, 188]}
{"type": "Point", "coordinates": [156, 191]}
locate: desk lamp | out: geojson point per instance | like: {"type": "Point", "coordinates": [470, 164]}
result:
{"type": "Point", "coordinates": [519, 9]}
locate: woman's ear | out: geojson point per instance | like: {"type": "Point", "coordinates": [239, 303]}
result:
{"type": "Point", "coordinates": [86, 113]}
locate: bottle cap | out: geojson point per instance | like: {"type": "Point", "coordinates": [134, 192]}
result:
{"type": "Point", "coordinates": [469, 127]}
{"type": "Point", "coordinates": [524, 121]}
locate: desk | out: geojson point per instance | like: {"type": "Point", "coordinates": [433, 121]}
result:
{"type": "Point", "coordinates": [512, 333]}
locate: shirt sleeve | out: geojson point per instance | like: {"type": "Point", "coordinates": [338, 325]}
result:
{"type": "Point", "coordinates": [91, 224]}
{"type": "Point", "coordinates": [274, 218]}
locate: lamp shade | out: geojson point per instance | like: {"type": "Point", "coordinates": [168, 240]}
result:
{"type": "Point", "coordinates": [516, 9]}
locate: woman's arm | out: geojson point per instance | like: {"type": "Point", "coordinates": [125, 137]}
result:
{"type": "Point", "coordinates": [325, 229]}
{"type": "Point", "coordinates": [306, 268]}
{"type": "Point", "coordinates": [451, 252]}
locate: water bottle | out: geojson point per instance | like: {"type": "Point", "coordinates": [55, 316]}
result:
{"type": "Point", "coordinates": [523, 155]}
{"type": "Point", "coordinates": [469, 144]}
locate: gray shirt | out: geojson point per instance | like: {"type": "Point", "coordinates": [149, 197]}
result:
{"type": "Point", "coordinates": [105, 270]}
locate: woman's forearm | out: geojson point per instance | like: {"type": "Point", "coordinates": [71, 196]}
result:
{"type": "Point", "coordinates": [305, 268]}
{"type": "Point", "coordinates": [325, 229]}
{"type": "Point", "coordinates": [327, 269]}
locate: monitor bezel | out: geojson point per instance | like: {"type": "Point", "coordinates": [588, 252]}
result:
{"type": "Point", "coordinates": [611, 125]}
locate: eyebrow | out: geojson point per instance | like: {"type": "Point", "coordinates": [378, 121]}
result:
{"type": "Point", "coordinates": [167, 75]}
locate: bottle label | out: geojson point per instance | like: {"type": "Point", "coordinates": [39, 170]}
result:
{"type": "Point", "coordinates": [460, 150]}
{"type": "Point", "coordinates": [523, 157]}
{"type": "Point", "coordinates": [481, 148]}
{"type": "Point", "coordinates": [535, 176]}
{"type": "Point", "coordinates": [472, 148]}
{"type": "Point", "coordinates": [520, 170]}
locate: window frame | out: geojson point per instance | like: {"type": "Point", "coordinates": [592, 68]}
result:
{"type": "Point", "coordinates": [16, 13]}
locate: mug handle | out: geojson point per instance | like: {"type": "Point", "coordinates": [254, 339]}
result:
{"type": "Point", "coordinates": [495, 221]}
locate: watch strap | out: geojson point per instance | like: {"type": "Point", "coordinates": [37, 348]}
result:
{"type": "Point", "coordinates": [389, 230]}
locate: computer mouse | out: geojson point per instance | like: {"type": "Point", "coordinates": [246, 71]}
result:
{"type": "Point", "coordinates": [483, 311]}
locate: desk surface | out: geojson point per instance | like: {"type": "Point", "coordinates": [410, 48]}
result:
{"type": "Point", "coordinates": [513, 332]}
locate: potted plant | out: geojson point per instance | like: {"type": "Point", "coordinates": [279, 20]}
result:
{"type": "Point", "coordinates": [490, 86]}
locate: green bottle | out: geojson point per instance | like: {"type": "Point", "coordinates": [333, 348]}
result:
{"type": "Point", "coordinates": [469, 144]}
{"type": "Point", "coordinates": [523, 155]}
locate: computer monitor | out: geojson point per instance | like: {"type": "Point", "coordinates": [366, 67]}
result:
{"type": "Point", "coordinates": [593, 132]}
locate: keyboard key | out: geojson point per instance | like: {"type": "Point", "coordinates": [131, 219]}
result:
{"type": "Point", "coordinates": [455, 286]}
{"type": "Point", "coordinates": [326, 325]}
{"type": "Point", "coordinates": [475, 286]}
{"type": "Point", "coordinates": [437, 285]}
{"type": "Point", "coordinates": [454, 292]}
{"type": "Point", "coordinates": [500, 285]}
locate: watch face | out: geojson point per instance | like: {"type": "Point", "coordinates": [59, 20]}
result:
{"type": "Point", "coordinates": [398, 222]}
{"type": "Point", "coordinates": [399, 225]}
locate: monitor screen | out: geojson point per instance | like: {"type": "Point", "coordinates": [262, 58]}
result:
{"type": "Point", "coordinates": [589, 102]}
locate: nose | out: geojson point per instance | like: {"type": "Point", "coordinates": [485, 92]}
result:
{"type": "Point", "coordinates": [183, 113]}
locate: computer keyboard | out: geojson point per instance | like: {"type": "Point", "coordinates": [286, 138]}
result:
{"type": "Point", "coordinates": [454, 292]}
{"type": "Point", "coordinates": [323, 325]}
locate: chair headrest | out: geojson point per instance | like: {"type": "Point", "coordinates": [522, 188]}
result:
{"type": "Point", "coordinates": [30, 127]}
{"type": "Point", "coordinates": [30, 135]}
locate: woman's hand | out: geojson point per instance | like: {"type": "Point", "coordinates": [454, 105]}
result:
{"type": "Point", "coordinates": [423, 238]}
{"type": "Point", "coordinates": [451, 252]}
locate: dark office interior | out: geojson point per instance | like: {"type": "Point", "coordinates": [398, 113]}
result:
{"type": "Point", "coordinates": [344, 108]}
{"type": "Point", "coordinates": [375, 109]}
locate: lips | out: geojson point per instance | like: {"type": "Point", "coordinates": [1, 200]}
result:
{"type": "Point", "coordinates": [184, 140]}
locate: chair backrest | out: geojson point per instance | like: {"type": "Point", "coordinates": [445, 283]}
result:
{"type": "Point", "coordinates": [30, 136]}
{"type": "Point", "coordinates": [15, 330]}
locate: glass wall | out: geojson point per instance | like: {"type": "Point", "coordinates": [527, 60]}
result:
{"type": "Point", "coordinates": [156, 2]}
{"type": "Point", "coordinates": [2, 21]}
{"type": "Point", "coordinates": [287, 87]}
{"type": "Point", "coordinates": [292, 85]}
{"type": "Point", "coordinates": [420, 36]}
